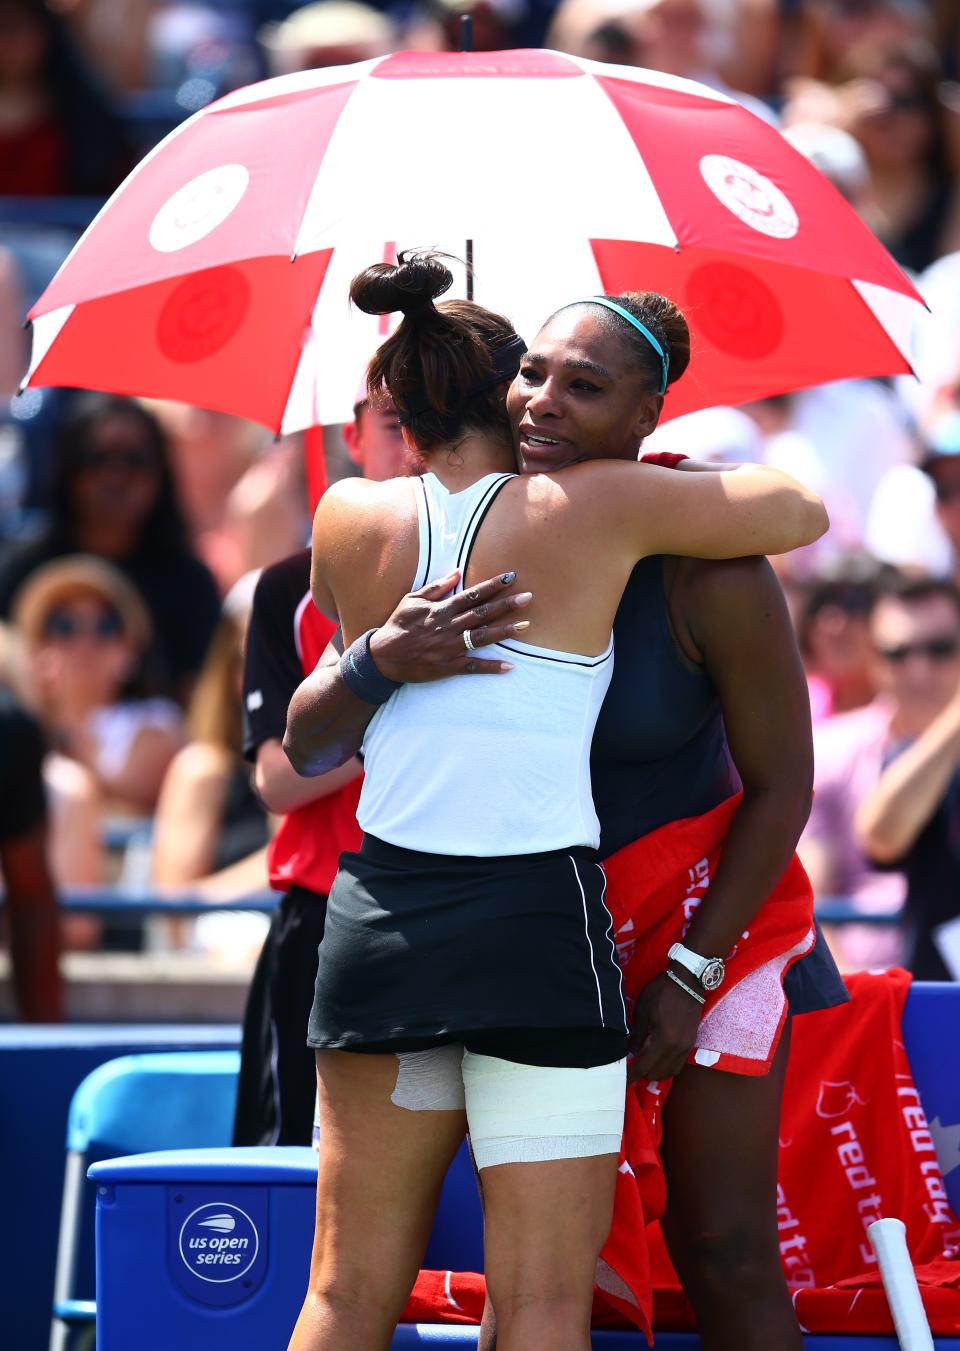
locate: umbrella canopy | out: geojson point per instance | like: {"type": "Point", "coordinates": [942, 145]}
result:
{"type": "Point", "coordinates": [217, 273]}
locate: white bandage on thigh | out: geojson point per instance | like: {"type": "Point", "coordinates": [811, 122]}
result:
{"type": "Point", "coordinates": [531, 1113]}
{"type": "Point", "coordinates": [430, 1081]}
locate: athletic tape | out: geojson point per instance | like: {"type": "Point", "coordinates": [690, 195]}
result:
{"type": "Point", "coordinates": [430, 1081]}
{"type": "Point", "coordinates": [530, 1113]}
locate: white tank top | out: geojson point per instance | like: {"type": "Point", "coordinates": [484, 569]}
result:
{"type": "Point", "coordinates": [483, 765]}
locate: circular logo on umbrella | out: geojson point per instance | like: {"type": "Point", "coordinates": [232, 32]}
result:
{"type": "Point", "coordinates": [735, 310]}
{"type": "Point", "coordinates": [198, 207]}
{"type": "Point", "coordinates": [202, 314]}
{"type": "Point", "coordinates": [751, 197]}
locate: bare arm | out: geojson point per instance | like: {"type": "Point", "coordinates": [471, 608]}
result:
{"type": "Point", "coordinates": [281, 789]}
{"type": "Point", "coordinates": [422, 640]}
{"type": "Point", "coordinates": [246, 877]}
{"type": "Point", "coordinates": [910, 790]}
{"type": "Point", "coordinates": [189, 814]}
{"type": "Point", "coordinates": [752, 509]}
{"type": "Point", "coordinates": [34, 927]}
{"type": "Point", "coordinates": [744, 631]}
{"type": "Point", "coordinates": [738, 619]}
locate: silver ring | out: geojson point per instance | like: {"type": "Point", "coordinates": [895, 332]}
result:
{"type": "Point", "coordinates": [468, 641]}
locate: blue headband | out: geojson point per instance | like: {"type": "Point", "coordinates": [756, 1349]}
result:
{"type": "Point", "coordinates": [641, 328]}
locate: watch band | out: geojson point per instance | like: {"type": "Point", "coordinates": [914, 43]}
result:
{"type": "Point", "coordinates": [684, 986]}
{"type": "Point", "coordinates": [694, 963]}
{"type": "Point", "coordinates": [709, 971]}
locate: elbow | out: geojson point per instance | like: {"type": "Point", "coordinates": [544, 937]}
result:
{"type": "Point", "coordinates": [270, 788]}
{"type": "Point", "coordinates": [878, 845]}
{"type": "Point", "coordinates": [295, 754]}
{"type": "Point", "coordinates": [813, 521]}
{"type": "Point", "coordinates": [819, 520]}
{"type": "Point", "coordinates": [878, 850]}
{"type": "Point", "coordinates": [308, 762]}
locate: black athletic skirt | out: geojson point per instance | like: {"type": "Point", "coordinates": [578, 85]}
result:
{"type": "Point", "coordinates": [424, 948]}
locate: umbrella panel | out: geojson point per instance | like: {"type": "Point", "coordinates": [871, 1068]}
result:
{"type": "Point", "coordinates": [757, 328]}
{"type": "Point", "coordinates": [775, 206]}
{"type": "Point", "coordinates": [228, 338]}
{"type": "Point", "coordinates": [221, 189]}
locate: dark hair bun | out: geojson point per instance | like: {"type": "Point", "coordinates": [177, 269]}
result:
{"type": "Point", "coordinates": [666, 322]}
{"type": "Point", "coordinates": [412, 284]}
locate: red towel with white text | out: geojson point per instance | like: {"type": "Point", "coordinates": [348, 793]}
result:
{"type": "Point", "coordinates": [654, 887]}
{"type": "Point", "coordinates": [854, 1145]}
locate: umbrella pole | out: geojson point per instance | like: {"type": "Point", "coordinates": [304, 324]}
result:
{"type": "Point", "coordinates": [466, 45]}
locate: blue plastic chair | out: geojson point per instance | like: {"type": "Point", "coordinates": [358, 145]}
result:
{"type": "Point", "coordinates": [131, 1105]}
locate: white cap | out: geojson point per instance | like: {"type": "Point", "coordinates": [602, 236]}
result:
{"type": "Point", "coordinates": [838, 155]}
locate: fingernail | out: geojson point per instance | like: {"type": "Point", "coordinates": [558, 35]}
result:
{"type": "Point", "coordinates": [507, 577]}
{"type": "Point", "coordinates": [524, 598]}
{"type": "Point", "coordinates": [523, 624]}
{"type": "Point", "coordinates": [506, 666]}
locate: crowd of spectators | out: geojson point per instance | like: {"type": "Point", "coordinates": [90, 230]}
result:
{"type": "Point", "coordinates": [130, 529]}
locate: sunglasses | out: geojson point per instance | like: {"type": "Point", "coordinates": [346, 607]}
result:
{"type": "Point", "coordinates": [136, 460]}
{"type": "Point", "coordinates": [62, 624]}
{"type": "Point", "coordinates": [934, 649]}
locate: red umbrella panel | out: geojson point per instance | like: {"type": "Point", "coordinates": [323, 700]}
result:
{"type": "Point", "coordinates": [218, 272]}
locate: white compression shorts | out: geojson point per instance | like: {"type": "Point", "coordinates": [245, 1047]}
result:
{"type": "Point", "coordinates": [518, 1113]}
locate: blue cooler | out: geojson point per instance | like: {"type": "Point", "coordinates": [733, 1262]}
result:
{"type": "Point", "coordinates": [203, 1247]}
{"type": "Point", "coordinates": [198, 1244]}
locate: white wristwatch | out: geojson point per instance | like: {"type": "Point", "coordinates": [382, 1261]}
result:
{"type": "Point", "coordinates": [709, 971]}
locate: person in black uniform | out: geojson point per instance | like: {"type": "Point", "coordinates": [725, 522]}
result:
{"type": "Point", "coordinates": [707, 694]}
{"type": "Point", "coordinates": [287, 633]}
{"type": "Point", "coordinates": [31, 908]}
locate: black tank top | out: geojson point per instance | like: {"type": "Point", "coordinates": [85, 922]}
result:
{"type": "Point", "coordinates": [660, 750]}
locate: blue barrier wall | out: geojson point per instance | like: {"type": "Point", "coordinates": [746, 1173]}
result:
{"type": "Point", "coordinates": [39, 1069]}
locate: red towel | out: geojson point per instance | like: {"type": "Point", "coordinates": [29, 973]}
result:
{"type": "Point", "coordinates": [854, 1145]}
{"type": "Point", "coordinates": [654, 886]}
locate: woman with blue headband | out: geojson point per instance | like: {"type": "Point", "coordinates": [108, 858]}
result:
{"type": "Point", "coordinates": [707, 693]}
{"type": "Point", "coordinates": [467, 972]}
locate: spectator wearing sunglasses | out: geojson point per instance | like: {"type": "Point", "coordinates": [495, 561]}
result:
{"type": "Point", "coordinates": [87, 636]}
{"type": "Point", "coordinates": [849, 848]}
{"type": "Point", "coordinates": [113, 496]}
{"type": "Point", "coordinates": [911, 817]}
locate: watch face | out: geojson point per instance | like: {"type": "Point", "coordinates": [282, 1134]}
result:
{"type": "Point", "coordinates": [713, 974]}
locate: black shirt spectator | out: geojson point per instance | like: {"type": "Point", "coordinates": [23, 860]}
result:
{"type": "Point", "coordinates": [31, 918]}
{"type": "Point", "coordinates": [932, 870]}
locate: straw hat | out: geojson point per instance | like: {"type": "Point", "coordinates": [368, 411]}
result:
{"type": "Point", "coordinates": [79, 575]}
{"type": "Point", "coordinates": [313, 32]}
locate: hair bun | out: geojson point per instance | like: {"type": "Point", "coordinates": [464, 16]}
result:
{"type": "Point", "coordinates": [410, 285]}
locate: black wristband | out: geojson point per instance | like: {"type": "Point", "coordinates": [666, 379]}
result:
{"type": "Point", "coordinates": [360, 674]}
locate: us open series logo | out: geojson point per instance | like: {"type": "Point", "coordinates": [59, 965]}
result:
{"type": "Point", "coordinates": [218, 1242]}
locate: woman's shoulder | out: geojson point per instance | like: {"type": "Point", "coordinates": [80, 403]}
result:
{"type": "Point", "coordinates": [353, 496]}
{"type": "Point", "coordinates": [720, 579]}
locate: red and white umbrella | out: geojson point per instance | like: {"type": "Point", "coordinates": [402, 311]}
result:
{"type": "Point", "coordinates": [217, 273]}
